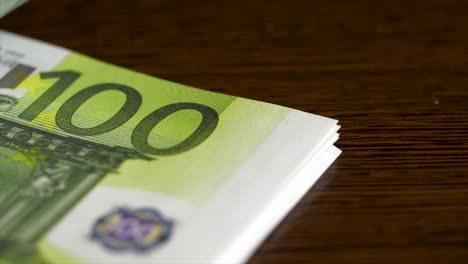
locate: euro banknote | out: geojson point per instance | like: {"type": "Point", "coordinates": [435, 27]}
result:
{"type": "Point", "coordinates": [101, 164]}
{"type": "Point", "coordinates": [6, 6]}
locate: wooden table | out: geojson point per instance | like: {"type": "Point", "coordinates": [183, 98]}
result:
{"type": "Point", "coordinates": [395, 73]}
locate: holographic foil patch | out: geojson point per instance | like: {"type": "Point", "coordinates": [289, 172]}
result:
{"type": "Point", "coordinates": [126, 229]}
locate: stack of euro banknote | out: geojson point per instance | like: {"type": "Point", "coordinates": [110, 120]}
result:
{"type": "Point", "coordinates": [101, 164]}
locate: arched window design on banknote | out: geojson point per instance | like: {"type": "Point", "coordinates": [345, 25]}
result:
{"type": "Point", "coordinates": [42, 175]}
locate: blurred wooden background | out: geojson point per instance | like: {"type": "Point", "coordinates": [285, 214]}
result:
{"type": "Point", "coordinates": [395, 73]}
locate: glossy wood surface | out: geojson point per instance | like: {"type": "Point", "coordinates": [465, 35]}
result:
{"type": "Point", "coordinates": [395, 73]}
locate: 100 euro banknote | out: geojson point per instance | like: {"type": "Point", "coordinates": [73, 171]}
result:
{"type": "Point", "coordinates": [103, 164]}
{"type": "Point", "coordinates": [6, 6]}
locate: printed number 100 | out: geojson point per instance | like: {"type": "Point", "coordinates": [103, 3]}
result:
{"type": "Point", "coordinates": [132, 103]}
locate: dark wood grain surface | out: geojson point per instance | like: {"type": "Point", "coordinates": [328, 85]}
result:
{"type": "Point", "coordinates": [395, 73]}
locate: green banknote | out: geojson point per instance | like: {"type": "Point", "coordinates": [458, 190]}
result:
{"type": "Point", "coordinates": [6, 6]}
{"type": "Point", "coordinates": [93, 155]}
